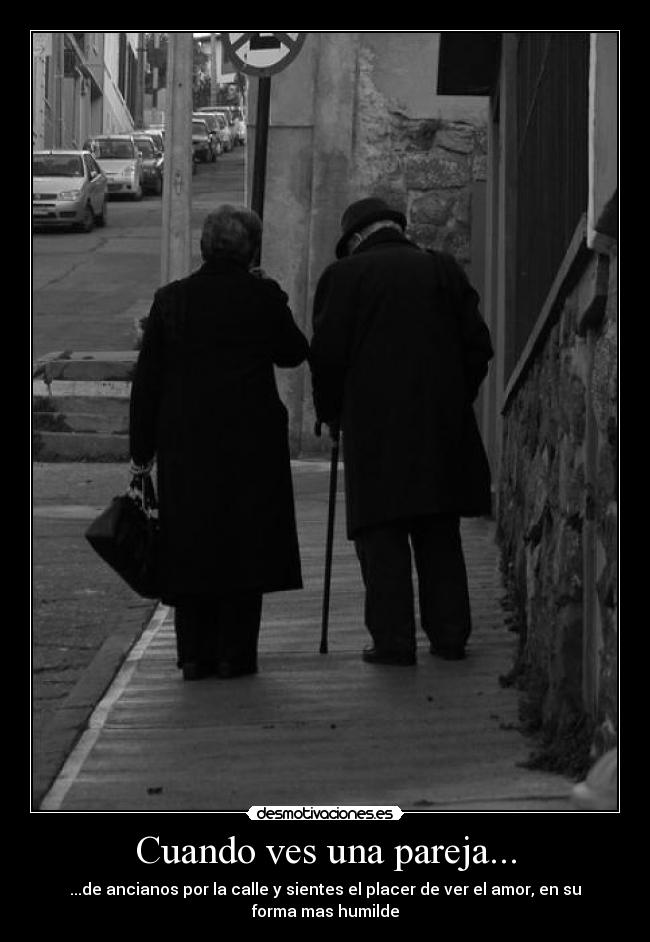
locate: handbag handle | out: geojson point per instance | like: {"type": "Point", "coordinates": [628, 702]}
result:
{"type": "Point", "coordinates": [149, 500]}
{"type": "Point", "coordinates": [141, 489]}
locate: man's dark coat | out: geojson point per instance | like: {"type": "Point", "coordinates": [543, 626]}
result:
{"type": "Point", "coordinates": [204, 401]}
{"type": "Point", "coordinates": [398, 353]}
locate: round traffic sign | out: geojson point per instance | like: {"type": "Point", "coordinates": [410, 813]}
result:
{"type": "Point", "coordinates": [262, 53]}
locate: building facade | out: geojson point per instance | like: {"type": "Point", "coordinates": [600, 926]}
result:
{"type": "Point", "coordinates": [83, 83]}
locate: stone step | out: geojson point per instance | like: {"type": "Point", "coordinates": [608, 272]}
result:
{"type": "Point", "coordinates": [86, 366]}
{"type": "Point", "coordinates": [106, 405]}
{"type": "Point", "coordinates": [99, 423]}
{"type": "Point", "coordinates": [95, 389]}
{"type": "Point", "coordinates": [79, 446]}
{"type": "Point", "coordinates": [80, 406]}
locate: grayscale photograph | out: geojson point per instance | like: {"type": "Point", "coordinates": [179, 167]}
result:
{"type": "Point", "coordinates": [325, 430]}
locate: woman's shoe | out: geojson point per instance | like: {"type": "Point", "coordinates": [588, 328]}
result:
{"type": "Point", "coordinates": [194, 670]}
{"type": "Point", "coordinates": [227, 669]}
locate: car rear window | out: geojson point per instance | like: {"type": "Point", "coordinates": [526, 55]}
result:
{"type": "Point", "coordinates": [199, 127]}
{"type": "Point", "coordinates": [209, 121]}
{"type": "Point", "coordinates": [57, 165]}
{"type": "Point", "coordinates": [111, 149]}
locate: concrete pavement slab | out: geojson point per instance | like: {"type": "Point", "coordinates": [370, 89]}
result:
{"type": "Point", "coordinates": [311, 728]}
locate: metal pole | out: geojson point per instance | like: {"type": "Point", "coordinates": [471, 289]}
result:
{"type": "Point", "coordinates": [331, 510]}
{"type": "Point", "coordinates": [261, 139]}
{"type": "Point", "coordinates": [176, 254]}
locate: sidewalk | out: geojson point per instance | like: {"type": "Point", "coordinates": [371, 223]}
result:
{"type": "Point", "coordinates": [84, 618]}
{"type": "Point", "coordinates": [312, 728]}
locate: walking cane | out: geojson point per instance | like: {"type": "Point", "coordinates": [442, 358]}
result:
{"type": "Point", "coordinates": [334, 465]}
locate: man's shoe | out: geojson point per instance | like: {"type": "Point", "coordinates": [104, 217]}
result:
{"type": "Point", "coordinates": [449, 652]}
{"type": "Point", "coordinates": [373, 656]}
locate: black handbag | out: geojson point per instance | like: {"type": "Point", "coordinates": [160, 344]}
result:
{"type": "Point", "coordinates": [126, 536]}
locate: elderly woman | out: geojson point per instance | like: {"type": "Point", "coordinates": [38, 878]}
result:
{"type": "Point", "coordinates": [204, 403]}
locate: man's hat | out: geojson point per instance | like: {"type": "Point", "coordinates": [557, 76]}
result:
{"type": "Point", "coordinates": [361, 214]}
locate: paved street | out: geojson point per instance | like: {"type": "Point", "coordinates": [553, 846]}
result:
{"type": "Point", "coordinates": [89, 288]}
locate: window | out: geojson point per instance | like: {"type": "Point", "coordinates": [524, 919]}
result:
{"type": "Point", "coordinates": [57, 165]}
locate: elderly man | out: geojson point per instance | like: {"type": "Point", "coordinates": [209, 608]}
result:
{"type": "Point", "coordinates": [204, 402]}
{"type": "Point", "coordinates": [398, 353]}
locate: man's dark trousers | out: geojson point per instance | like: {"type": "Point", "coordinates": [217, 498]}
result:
{"type": "Point", "coordinates": [385, 556]}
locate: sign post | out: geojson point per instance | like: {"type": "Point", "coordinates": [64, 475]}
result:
{"type": "Point", "coordinates": [262, 54]}
{"type": "Point", "coordinates": [261, 144]}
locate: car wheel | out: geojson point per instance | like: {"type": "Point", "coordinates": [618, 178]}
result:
{"type": "Point", "coordinates": [87, 223]}
{"type": "Point", "coordinates": [158, 188]}
{"type": "Point", "coordinates": [101, 219]}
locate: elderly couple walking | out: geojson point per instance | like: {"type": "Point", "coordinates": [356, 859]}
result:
{"type": "Point", "coordinates": [398, 352]}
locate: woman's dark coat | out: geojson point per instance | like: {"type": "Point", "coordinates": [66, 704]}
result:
{"type": "Point", "coordinates": [204, 401]}
{"type": "Point", "coordinates": [398, 353]}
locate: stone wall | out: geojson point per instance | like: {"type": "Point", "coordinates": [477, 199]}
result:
{"type": "Point", "coordinates": [603, 392]}
{"type": "Point", "coordinates": [425, 166]}
{"type": "Point", "coordinates": [557, 522]}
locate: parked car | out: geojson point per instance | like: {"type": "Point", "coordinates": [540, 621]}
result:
{"type": "Point", "coordinates": [230, 112]}
{"type": "Point", "coordinates": [213, 130]}
{"type": "Point", "coordinates": [68, 189]}
{"type": "Point", "coordinates": [222, 115]}
{"type": "Point", "coordinates": [157, 135]}
{"type": "Point", "coordinates": [120, 160]}
{"type": "Point", "coordinates": [152, 164]}
{"type": "Point", "coordinates": [201, 141]}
